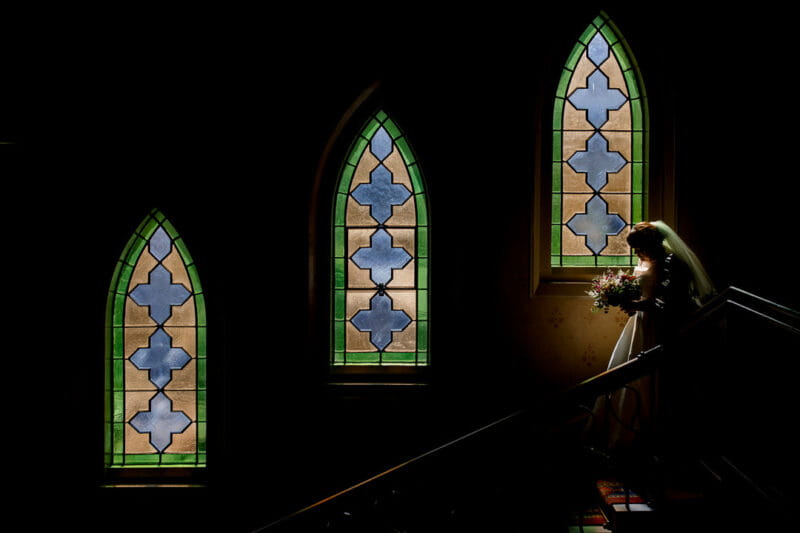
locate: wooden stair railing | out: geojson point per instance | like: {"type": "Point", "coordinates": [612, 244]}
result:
{"type": "Point", "coordinates": [387, 495]}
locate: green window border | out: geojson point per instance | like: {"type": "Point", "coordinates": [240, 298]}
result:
{"type": "Point", "coordinates": [639, 142]}
{"type": "Point", "coordinates": [114, 434]}
{"type": "Point", "coordinates": [339, 356]}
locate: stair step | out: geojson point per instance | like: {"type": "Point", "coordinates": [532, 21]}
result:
{"type": "Point", "coordinates": [613, 492]}
{"type": "Point", "coordinates": [631, 508]}
{"type": "Point", "coordinates": [588, 529]}
{"type": "Point", "coordinates": [627, 510]}
{"type": "Point", "coordinates": [591, 520]}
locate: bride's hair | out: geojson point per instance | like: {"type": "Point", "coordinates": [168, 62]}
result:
{"type": "Point", "coordinates": [647, 235]}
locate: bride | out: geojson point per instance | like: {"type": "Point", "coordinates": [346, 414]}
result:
{"type": "Point", "coordinates": [673, 284]}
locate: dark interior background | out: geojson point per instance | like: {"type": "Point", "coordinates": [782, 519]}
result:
{"type": "Point", "coordinates": [220, 118]}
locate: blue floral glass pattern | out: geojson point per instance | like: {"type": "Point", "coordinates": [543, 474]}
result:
{"type": "Point", "coordinates": [155, 405]}
{"type": "Point", "coordinates": [380, 282]}
{"type": "Point", "coordinates": [599, 171]}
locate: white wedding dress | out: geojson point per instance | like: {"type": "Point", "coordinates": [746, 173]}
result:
{"type": "Point", "coordinates": [618, 416]}
{"type": "Point", "coordinates": [632, 339]}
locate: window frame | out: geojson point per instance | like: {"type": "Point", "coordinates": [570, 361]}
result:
{"type": "Point", "coordinates": [172, 473]}
{"type": "Point", "coordinates": [384, 374]}
{"type": "Point", "coordinates": [657, 191]}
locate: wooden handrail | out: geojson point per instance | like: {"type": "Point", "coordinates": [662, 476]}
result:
{"type": "Point", "coordinates": [605, 382]}
{"type": "Point", "coordinates": [646, 361]}
{"type": "Point", "coordinates": [404, 464]}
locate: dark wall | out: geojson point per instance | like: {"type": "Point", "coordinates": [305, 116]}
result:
{"type": "Point", "coordinates": [221, 121]}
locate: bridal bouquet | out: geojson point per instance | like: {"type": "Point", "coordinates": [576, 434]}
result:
{"type": "Point", "coordinates": [609, 290]}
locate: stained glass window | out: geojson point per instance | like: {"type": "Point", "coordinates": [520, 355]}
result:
{"type": "Point", "coordinates": [380, 252]}
{"type": "Point", "coordinates": [599, 152]}
{"type": "Point", "coordinates": [155, 353]}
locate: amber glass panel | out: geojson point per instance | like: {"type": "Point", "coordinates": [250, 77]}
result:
{"type": "Point", "coordinates": [380, 252]}
{"type": "Point", "coordinates": [155, 400]}
{"type": "Point", "coordinates": [599, 158]}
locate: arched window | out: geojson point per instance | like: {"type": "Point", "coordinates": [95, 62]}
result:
{"type": "Point", "coordinates": [155, 353]}
{"type": "Point", "coordinates": [599, 173]}
{"type": "Point", "coordinates": [380, 253]}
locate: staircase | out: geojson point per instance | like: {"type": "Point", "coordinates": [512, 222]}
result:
{"type": "Point", "coordinates": [531, 470]}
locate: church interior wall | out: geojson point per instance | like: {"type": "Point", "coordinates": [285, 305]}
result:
{"type": "Point", "coordinates": [226, 136]}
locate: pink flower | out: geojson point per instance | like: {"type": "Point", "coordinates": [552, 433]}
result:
{"type": "Point", "coordinates": [609, 290]}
